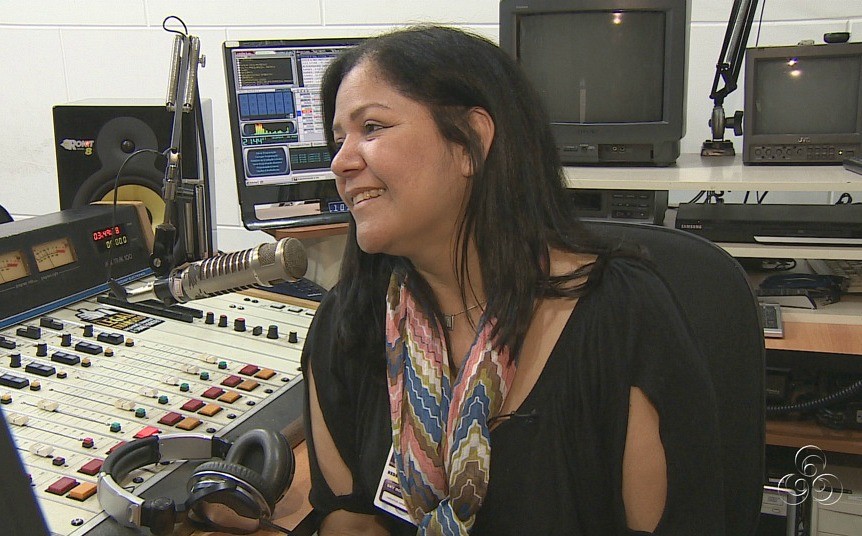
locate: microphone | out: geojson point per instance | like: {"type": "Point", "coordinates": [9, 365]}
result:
{"type": "Point", "coordinates": [265, 265]}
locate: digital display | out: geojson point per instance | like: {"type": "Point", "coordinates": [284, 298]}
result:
{"type": "Point", "coordinates": [54, 254]}
{"type": "Point", "coordinates": [107, 238]}
{"type": "Point", "coordinates": [12, 267]}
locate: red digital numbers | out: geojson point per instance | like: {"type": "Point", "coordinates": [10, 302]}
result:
{"type": "Point", "coordinates": [102, 234]}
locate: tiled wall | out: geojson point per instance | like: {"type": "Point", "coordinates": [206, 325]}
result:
{"type": "Point", "coordinates": [56, 51]}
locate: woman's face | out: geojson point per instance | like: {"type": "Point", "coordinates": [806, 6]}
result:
{"type": "Point", "coordinates": [404, 184]}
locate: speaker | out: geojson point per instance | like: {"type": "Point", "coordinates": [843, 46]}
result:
{"type": "Point", "coordinates": [94, 138]}
{"type": "Point", "coordinates": [235, 491]}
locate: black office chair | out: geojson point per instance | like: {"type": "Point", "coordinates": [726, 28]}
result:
{"type": "Point", "coordinates": [718, 302]}
{"type": "Point", "coordinates": [5, 217]}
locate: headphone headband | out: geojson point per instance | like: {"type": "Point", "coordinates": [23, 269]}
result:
{"type": "Point", "coordinates": [126, 507]}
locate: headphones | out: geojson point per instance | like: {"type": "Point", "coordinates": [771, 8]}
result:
{"type": "Point", "coordinates": [235, 491]}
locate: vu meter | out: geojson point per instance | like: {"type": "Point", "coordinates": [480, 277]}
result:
{"type": "Point", "coordinates": [53, 254]}
{"type": "Point", "coordinates": [12, 267]}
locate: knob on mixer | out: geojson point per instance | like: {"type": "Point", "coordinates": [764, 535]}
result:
{"type": "Point", "coordinates": [272, 332]}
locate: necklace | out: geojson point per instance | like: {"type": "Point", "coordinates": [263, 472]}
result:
{"type": "Point", "coordinates": [449, 320]}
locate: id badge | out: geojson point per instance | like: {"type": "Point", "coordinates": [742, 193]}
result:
{"type": "Point", "coordinates": [388, 497]}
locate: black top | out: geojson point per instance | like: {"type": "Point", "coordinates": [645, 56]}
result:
{"type": "Point", "coordinates": [560, 471]}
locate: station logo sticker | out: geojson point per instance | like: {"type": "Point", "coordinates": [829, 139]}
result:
{"type": "Point", "coordinates": [78, 145]}
{"type": "Point", "coordinates": [116, 319]}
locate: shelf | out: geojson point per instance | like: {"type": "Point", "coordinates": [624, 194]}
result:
{"type": "Point", "coordinates": [313, 231]}
{"type": "Point", "coordinates": [834, 334]}
{"type": "Point", "coordinates": [802, 433]}
{"type": "Point", "coordinates": [693, 172]}
{"type": "Point", "coordinates": [767, 251]}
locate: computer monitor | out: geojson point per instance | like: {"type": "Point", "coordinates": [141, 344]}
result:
{"type": "Point", "coordinates": [803, 104]}
{"type": "Point", "coordinates": [612, 74]}
{"type": "Point", "coordinates": [276, 121]}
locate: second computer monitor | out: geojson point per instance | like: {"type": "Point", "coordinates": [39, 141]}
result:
{"type": "Point", "coordinates": [276, 119]}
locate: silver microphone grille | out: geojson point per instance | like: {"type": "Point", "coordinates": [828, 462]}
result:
{"type": "Point", "coordinates": [293, 255]}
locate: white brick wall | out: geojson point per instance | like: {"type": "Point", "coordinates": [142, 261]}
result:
{"type": "Point", "coordinates": [55, 51]}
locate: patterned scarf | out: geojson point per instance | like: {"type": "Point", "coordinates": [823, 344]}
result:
{"type": "Point", "coordinates": [439, 423]}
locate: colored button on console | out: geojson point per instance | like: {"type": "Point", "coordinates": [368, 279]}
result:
{"type": "Point", "coordinates": [193, 405]}
{"type": "Point", "coordinates": [83, 491]}
{"type": "Point", "coordinates": [231, 381]}
{"type": "Point", "coordinates": [171, 418]}
{"type": "Point", "coordinates": [213, 392]}
{"type": "Point", "coordinates": [92, 467]}
{"type": "Point", "coordinates": [62, 486]}
{"type": "Point", "coordinates": [249, 370]}
{"type": "Point", "coordinates": [147, 431]}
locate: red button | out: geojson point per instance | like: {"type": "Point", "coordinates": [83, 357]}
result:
{"type": "Point", "coordinates": [213, 392]}
{"type": "Point", "coordinates": [171, 418]}
{"type": "Point", "coordinates": [193, 405]}
{"type": "Point", "coordinates": [92, 467]}
{"type": "Point", "coordinates": [147, 431]}
{"type": "Point", "coordinates": [231, 381]}
{"type": "Point", "coordinates": [62, 486]}
{"type": "Point", "coordinates": [249, 370]}
{"type": "Point", "coordinates": [115, 447]}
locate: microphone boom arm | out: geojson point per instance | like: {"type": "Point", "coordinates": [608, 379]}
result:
{"type": "Point", "coordinates": [726, 77]}
{"type": "Point", "coordinates": [182, 93]}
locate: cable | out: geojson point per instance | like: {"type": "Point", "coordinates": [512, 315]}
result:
{"type": "Point", "coordinates": [183, 33]}
{"type": "Point", "coordinates": [114, 285]}
{"type": "Point", "coordinates": [697, 197]}
{"type": "Point", "coordinates": [833, 398]}
{"type": "Point", "coordinates": [760, 23]}
{"type": "Point", "coordinates": [845, 199]}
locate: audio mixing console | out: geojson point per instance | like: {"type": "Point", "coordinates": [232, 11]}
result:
{"type": "Point", "coordinates": [81, 379]}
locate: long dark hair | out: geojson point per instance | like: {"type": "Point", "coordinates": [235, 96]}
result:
{"type": "Point", "coordinates": [517, 206]}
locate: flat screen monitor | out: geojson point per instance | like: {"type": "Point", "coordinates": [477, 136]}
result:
{"type": "Point", "coordinates": [803, 104]}
{"type": "Point", "coordinates": [611, 73]}
{"type": "Point", "coordinates": [276, 122]}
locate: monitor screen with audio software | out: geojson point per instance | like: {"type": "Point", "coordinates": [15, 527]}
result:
{"type": "Point", "coordinates": [276, 122]}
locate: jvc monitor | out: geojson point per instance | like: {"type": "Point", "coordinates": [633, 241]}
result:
{"type": "Point", "coordinates": [803, 104]}
{"type": "Point", "coordinates": [276, 121]}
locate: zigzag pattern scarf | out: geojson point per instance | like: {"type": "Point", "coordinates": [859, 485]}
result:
{"type": "Point", "coordinates": [440, 433]}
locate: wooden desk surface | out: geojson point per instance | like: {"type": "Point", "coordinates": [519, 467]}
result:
{"type": "Point", "coordinates": [294, 506]}
{"type": "Point", "coordinates": [817, 337]}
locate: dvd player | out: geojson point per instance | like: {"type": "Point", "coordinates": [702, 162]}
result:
{"type": "Point", "coordinates": [773, 223]}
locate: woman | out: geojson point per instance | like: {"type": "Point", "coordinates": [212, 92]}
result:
{"type": "Point", "coordinates": [529, 379]}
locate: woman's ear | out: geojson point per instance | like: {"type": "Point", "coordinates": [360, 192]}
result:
{"type": "Point", "coordinates": [483, 125]}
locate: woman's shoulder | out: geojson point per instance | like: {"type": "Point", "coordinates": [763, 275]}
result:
{"type": "Point", "coordinates": [615, 271]}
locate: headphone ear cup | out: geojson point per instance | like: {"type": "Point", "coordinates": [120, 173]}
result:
{"type": "Point", "coordinates": [246, 476]}
{"type": "Point", "coordinates": [160, 515]}
{"type": "Point", "coordinates": [269, 453]}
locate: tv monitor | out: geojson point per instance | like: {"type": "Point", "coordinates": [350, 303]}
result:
{"type": "Point", "coordinates": [803, 104]}
{"type": "Point", "coordinates": [276, 122]}
{"type": "Point", "coordinates": [611, 73]}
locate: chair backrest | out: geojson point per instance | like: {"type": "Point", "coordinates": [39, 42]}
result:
{"type": "Point", "coordinates": [715, 296]}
